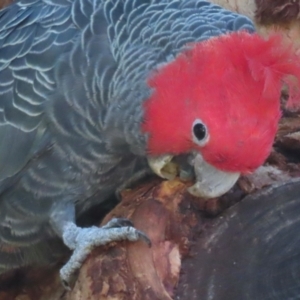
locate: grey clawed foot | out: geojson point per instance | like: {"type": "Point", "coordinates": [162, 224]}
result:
{"type": "Point", "coordinates": [84, 240]}
{"type": "Point", "coordinates": [123, 222]}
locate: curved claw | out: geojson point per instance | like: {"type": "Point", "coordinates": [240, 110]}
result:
{"type": "Point", "coordinates": [143, 237]}
{"type": "Point", "coordinates": [123, 222]}
{"type": "Point", "coordinates": [118, 222]}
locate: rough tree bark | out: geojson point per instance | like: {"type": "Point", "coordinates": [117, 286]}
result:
{"type": "Point", "coordinates": [270, 16]}
{"type": "Point", "coordinates": [174, 221]}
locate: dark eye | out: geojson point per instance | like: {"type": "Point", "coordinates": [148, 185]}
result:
{"type": "Point", "coordinates": [200, 133]}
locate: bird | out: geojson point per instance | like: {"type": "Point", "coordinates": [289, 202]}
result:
{"type": "Point", "coordinates": [95, 94]}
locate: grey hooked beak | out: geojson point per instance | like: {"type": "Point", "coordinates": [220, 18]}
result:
{"type": "Point", "coordinates": [210, 182]}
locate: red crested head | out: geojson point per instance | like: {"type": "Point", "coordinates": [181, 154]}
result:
{"type": "Point", "coordinates": [221, 98]}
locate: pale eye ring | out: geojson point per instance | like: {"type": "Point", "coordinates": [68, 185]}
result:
{"type": "Point", "coordinates": [200, 133]}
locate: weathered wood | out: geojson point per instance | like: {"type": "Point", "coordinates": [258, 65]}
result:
{"type": "Point", "coordinates": [133, 270]}
{"type": "Point", "coordinates": [270, 16]}
{"type": "Point", "coordinates": [250, 252]}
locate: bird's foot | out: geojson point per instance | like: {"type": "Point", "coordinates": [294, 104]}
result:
{"type": "Point", "coordinates": [84, 240]}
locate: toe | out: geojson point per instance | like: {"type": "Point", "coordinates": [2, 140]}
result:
{"type": "Point", "coordinates": [118, 222]}
{"type": "Point", "coordinates": [143, 237]}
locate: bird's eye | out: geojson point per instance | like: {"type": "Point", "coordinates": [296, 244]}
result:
{"type": "Point", "coordinates": [200, 134]}
{"type": "Point", "coordinates": [199, 131]}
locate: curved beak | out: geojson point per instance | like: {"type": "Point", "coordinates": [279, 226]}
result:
{"type": "Point", "coordinates": [163, 166]}
{"type": "Point", "coordinates": [210, 182]}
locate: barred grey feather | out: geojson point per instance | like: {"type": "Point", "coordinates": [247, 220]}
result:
{"type": "Point", "coordinates": [73, 76]}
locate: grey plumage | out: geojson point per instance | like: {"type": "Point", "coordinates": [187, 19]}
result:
{"type": "Point", "coordinates": [73, 76]}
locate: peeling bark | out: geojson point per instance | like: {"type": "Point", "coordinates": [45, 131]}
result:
{"type": "Point", "coordinates": [244, 7]}
{"type": "Point", "coordinates": [4, 3]}
{"type": "Point", "coordinates": [270, 16]}
{"type": "Point", "coordinates": [133, 270]}
{"type": "Point", "coordinates": [282, 12]}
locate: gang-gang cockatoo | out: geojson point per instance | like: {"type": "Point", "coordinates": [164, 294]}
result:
{"type": "Point", "coordinates": [93, 92]}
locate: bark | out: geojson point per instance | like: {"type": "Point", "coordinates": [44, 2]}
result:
{"type": "Point", "coordinates": [244, 7]}
{"type": "Point", "coordinates": [270, 16]}
{"type": "Point", "coordinates": [4, 3]}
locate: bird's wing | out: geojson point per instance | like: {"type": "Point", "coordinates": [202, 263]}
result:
{"type": "Point", "coordinates": [28, 30]}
